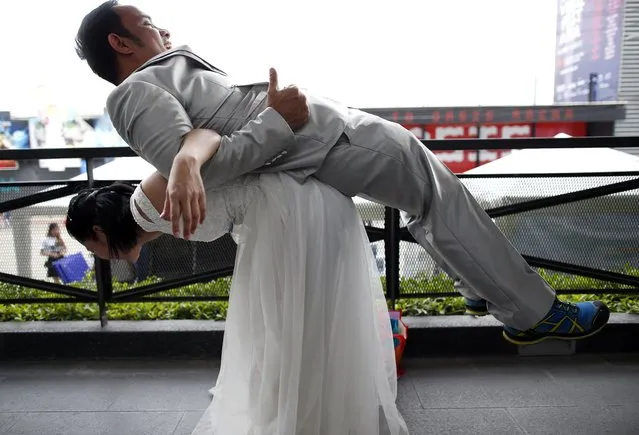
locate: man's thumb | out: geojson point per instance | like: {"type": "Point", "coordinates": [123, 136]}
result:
{"type": "Point", "coordinates": [272, 80]}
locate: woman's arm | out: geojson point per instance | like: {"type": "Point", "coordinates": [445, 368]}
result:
{"type": "Point", "coordinates": [199, 146]}
{"type": "Point", "coordinates": [49, 253]}
{"type": "Point", "coordinates": [63, 246]}
{"type": "Point", "coordinates": [185, 189]}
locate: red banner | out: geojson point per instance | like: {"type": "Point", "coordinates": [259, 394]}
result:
{"type": "Point", "coordinates": [463, 160]}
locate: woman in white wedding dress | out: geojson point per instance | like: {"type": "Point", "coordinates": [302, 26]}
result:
{"type": "Point", "coordinates": [307, 347]}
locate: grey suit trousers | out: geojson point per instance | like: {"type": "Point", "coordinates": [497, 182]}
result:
{"type": "Point", "coordinates": [382, 161]}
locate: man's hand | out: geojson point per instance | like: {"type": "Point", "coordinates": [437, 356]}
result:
{"type": "Point", "coordinates": [289, 102]}
{"type": "Point", "coordinates": [185, 196]}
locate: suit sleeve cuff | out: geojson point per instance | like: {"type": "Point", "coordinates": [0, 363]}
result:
{"type": "Point", "coordinates": [272, 117]}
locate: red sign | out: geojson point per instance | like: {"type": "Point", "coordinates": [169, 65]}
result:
{"type": "Point", "coordinates": [463, 160]}
{"type": "Point", "coordinates": [485, 114]}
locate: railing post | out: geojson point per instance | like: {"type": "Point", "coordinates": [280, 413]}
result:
{"type": "Point", "coordinates": [105, 287]}
{"type": "Point", "coordinates": [103, 277]}
{"type": "Point", "coordinates": [391, 249]}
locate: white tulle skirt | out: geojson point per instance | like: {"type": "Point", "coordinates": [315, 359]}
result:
{"type": "Point", "coordinates": [307, 348]}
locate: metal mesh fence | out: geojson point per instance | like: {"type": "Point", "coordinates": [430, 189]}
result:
{"type": "Point", "coordinates": [600, 233]}
{"type": "Point", "coordinates": [492, 192]}
{"type": "Point", "coordinates": [171, 258]}
{"type": "Point", "coordinates": [11, 192]}
{"type": "Point", "coordinates": [22, 236]}
{"type": "Point", "coordinates": [372, 214]}
{"type": "Point", "coordinates": [419, 274]}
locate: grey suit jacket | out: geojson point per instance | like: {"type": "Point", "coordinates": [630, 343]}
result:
{"type": "Point", "coordinates": [177, 91]}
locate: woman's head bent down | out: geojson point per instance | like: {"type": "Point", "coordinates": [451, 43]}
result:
{"type": "Point", "coordinates": [101, 219]}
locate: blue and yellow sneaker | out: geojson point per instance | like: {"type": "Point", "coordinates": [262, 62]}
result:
{"type": "Point", "coordinates": [476, 307]}
{"type": "Point", "coordinates": [564, 321]}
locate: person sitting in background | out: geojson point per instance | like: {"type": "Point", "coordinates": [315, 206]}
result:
{"type": "Point", "coordinates": [54, 248]}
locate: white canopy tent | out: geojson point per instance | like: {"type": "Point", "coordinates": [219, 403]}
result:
{"type": "Point", "coordinates": [561, 160]}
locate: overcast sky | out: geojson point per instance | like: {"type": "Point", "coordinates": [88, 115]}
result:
{"type": "Point", "coordinates": [365, 53]}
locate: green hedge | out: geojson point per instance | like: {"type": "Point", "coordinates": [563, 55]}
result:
{"type": "Point", "coordinates": [220, 287]}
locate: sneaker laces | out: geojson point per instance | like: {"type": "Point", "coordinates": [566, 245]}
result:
{"type": "Point", "coordinates": [567, 307]}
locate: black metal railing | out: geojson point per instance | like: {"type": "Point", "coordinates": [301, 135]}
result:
{"type": "Point", "coordinates": [523, 217]}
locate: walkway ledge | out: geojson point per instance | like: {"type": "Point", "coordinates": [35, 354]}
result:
{"type": "Point", "coordinates": [428, 336]}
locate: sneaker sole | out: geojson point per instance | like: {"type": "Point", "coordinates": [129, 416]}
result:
{"type": "Point", "coordinates": [550, 337]}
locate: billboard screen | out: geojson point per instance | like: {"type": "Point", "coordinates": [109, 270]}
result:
{"type": "Point", "coordinates": [60, 127]}
{"type": "Point", "coordinates": [12, 135]}
{"type": "Point", "coordinates": [588, 49]}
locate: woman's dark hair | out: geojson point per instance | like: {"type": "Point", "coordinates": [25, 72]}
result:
{"type": "Point", "coordinates": [92, 40]}
{"type": "Point", "coordinates": [52, 226]}
{"type": "Point", "coordinates": [107, 207]}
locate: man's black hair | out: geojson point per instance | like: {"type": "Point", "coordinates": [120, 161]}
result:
{"type": "Point", "coordinates": [107, 207]}
{"type": "Point", "coordinates": [92, 42]}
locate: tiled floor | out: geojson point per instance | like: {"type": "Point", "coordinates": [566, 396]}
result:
{"type": "Point", "coordinates": [585, 394]}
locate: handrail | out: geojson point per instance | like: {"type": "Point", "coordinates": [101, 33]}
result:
{"type": "Point", "coordinates": [435, 145]}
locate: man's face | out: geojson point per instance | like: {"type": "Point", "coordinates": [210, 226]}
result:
{"type": "Point", "coordinates": [149, 40]}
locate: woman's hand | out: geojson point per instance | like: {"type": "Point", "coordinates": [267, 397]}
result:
{"type": "Point", "coordinates": [185, 196]}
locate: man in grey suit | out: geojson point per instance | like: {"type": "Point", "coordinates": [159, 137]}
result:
{"type": "Point", "coordinates": [164, 94]}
